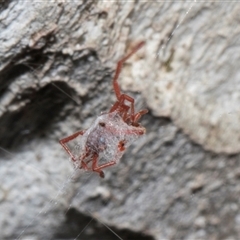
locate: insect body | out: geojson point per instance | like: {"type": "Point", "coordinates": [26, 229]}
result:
{"type": "Point", "coordinates": [103, 144]}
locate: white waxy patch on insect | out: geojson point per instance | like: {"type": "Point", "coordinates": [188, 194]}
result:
{"type": "Point", "coordinates": [104, 138]}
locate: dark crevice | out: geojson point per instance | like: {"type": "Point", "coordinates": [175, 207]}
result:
{"type": "Point", "coordinates": [84, 58]}
{"type": "Point", "coordinates": [80, 226]}
{"type": "Point", "coordinates": [4, 4]}
{"type": "Point", "coordinates": [27, 60]}
{"type": "Point", "coordinates": [197, 189]}
{"type": "Point", "coordinates": [103, 15]}
{"type": "Point", "coordinates": [36, 117]}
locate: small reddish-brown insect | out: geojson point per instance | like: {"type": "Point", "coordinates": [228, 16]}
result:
{"type": "Point", "coordinates": [103, 144]}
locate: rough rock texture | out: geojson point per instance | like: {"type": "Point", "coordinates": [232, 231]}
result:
{"type": "Point", "coordinates": [191, 68]}
{"type": "Point", "coordinates": [56, 65]}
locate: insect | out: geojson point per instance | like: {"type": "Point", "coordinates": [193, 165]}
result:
{"type": "Point", "coordinates": [103, 144]}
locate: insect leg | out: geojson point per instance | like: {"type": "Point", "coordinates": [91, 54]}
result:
{"type": "Point", "coordinates": [67, 139]}
{"type": "Point", "coordinates": [134, 116]}
{"type": "Point", "coordinates": [98, 169]}
{"type": "Point", "coordinates": [139, 114]}
{"type": "Point", "coordinates": [119, 67]}
{"type": "Point", "coordinates": [122, 109]}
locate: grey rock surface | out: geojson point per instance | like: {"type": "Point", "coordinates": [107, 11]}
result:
{"type": "Point", "coordinates": [190, 72]}
{"type": "Point", "coordinates": [179, 181]}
